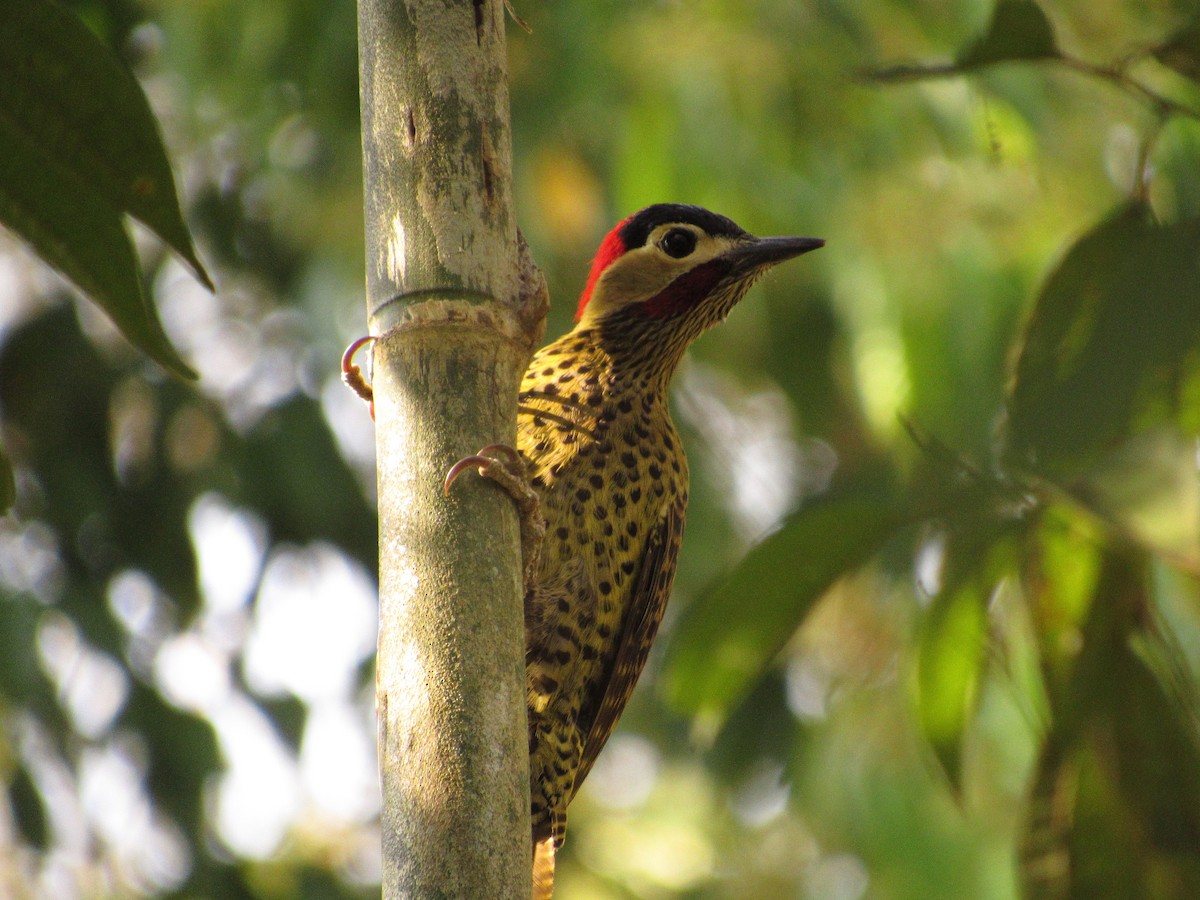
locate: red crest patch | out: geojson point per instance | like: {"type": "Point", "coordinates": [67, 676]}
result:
{"type": "Point", "coordinates": [610, 248]}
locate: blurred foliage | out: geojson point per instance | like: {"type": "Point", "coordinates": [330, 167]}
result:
{"type": "Point", "coordinates": [79, 148]}
{"type": "Point", "coordinates": [936, 630]}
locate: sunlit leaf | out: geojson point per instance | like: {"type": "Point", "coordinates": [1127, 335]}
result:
{"type": "Point", "coordinates": [1123, 305]}
{"type": "Point", "coordinates": [950, 657]}
{"type": "Point", "coordinates": [78, 149]}
{"type": "Point", "coordinates": [1018, 30]}
{"type": "Point", "coordinates": [953, 640]}
{"type": "Point", "coordinates": [727, 637]}
{"type": "Point", "coordinates": [1181, 51]}
{"type": "Point", "coordinates": [1148, 489]}
{"type": "Point", "coordinates": [1067, 556]}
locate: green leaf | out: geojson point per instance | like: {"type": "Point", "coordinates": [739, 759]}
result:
{"type": "Point", "coordinates": [78, 148]}
{"type": "Point", "coordinates": [1018, 30]}
{"type": "Point", "coordinates": [1117, 802]}
{"type": "Point", "coordinates": [728, 637]}
{"type": "Point", "coordinates": [28, 809]}
{"type": "Point", "coordinates": [1147, 490]}
{"type": "Point", "coordinates": [182, 754]}
{"type": "Point", "coordinates": [22, 680]}
{"type": "Point", "coordinates": [80, 234]}
{"type": "Point", "coordinates": [1181, 51]}
{"type": "Point", "coordinates": [71, 97]}
{"type": "Point", "coordinates": [953, 639]}
{"type": "Point", "coordinates": [1122, 307]}
{"type": "Point", "coordinates": [1115, 809]}
{"type": "Point", "coordinates": [950, 659]}
{"type": "Point", "coordinates": [1066, 550]}
{"type": "Point", "coordinates": [8, 487]}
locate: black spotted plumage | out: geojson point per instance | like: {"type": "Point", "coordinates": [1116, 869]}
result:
{"type": "Point", "coordinates": [611, 479]}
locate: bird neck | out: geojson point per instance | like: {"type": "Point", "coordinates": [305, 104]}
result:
{"type": "Point", "coordinates": [634, 352]}
{"type": "Point", "coordinates": [592, 367]}
{"type": "Point", "coordinates": [644, 342]}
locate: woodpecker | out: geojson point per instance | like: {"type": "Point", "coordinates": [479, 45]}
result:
{"type": "Point", "coordinates": [601, 482]}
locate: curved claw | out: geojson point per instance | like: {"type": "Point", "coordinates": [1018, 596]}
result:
{"type": "Point", "coordinates": [485, 458]}
{"type": "Point", "coordinates": [511, 454]}
{"type": "Point", "coordinates": [476, 460]}
{"type": "Point", "coordinates": [507, 468]}
{"type": "Point", "coordinates": [352, 375]}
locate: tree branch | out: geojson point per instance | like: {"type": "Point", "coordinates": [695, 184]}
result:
{"type": "Point", "coordinates": [458, 308]}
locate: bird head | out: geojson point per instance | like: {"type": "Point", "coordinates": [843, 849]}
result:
{"type": "Point", "coordinates": [674, 263]}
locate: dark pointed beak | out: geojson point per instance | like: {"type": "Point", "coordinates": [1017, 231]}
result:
{"type": "Point", "coordinates": [757, 253]}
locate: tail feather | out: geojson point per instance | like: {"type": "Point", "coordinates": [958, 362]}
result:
{"type": "Point", "coordinates": [543, 869]}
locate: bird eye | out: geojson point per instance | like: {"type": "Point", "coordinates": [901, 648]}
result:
{"type": "Point", "coordinates": [678, 243]}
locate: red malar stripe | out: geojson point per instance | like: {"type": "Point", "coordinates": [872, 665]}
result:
{"type": "Point", "coordinates": [686, 290]}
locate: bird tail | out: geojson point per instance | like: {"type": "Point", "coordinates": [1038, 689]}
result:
{"type": "Point", "coordinates": [543, 869]}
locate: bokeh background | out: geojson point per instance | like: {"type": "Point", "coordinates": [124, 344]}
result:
{"type": "Point", "coordinates": [187, 588]}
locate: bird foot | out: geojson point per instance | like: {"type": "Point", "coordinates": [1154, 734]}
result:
{"type": "Point", "coordinates": [505, 466]}
{"type": "Point", "coordinates": [352, 375]}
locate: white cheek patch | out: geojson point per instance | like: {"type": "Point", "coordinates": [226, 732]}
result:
{"type": "Point", "coordinates": [642, 273]}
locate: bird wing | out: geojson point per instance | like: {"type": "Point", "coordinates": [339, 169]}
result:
{"type": "Point", "coordinates": [647, 602]}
